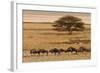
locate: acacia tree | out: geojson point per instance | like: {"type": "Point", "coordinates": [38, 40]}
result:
{"type": "Point", "coordinates": [69, 23]}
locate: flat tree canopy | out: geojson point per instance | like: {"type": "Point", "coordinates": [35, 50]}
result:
{"type": "Point", "coordinates": [69, 23]}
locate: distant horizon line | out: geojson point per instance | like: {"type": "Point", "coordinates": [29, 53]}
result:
{"type": "Point", "coordinates": [40, 22]}
{"type": "Point", "coordinates": [47, 22]}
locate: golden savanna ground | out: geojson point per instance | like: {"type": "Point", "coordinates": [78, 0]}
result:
{"type": "Point", "coordinates": [42, 36]}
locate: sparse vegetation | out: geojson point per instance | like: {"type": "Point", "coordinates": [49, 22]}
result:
{"type": "Point", "coordinates": [49, 39]}
{"type": "Point", "coordinates": [56, 37]}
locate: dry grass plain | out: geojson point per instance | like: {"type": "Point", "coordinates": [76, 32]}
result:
{"type": "Point", "coordinates": [41, 36]}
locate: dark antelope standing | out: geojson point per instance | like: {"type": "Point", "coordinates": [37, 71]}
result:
{"type": "Point", "coordinates": [72, 50]}
{"type": "Point", "coordinates": [55, 51]}
{"type": "Point", "coordinates": [43, 51]}
{"type": "Point", "coordinates": [39, 51]}
{"type": "Point", "coordinates": [34, 51]}
{"type": "Point", "coordinates": [62, 50]}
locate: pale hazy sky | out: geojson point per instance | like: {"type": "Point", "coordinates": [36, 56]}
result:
{"type": "Point", "coordinates": [44, 16]}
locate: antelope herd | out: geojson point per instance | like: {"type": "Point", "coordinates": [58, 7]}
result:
{"type": "Point", "coordinates": [58, 51]}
